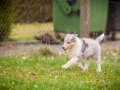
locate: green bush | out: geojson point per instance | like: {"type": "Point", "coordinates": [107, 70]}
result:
{"type": "Point", "coordinates": [45, 52]}
{"type": "Point", "coordinates": [6, 18]}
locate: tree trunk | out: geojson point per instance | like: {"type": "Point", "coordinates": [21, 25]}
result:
{"type": "Point", "coordinates": [84, 18]}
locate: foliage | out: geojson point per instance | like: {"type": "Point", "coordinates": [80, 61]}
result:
{"type": "Point", "coordinates": [45, 52]}
{"type": "Point", "coordinates": [6, 18]}
{"type": "Point", "coordinates": [38, 72]}
{"type": "Point", "coordinates": [29, 11]}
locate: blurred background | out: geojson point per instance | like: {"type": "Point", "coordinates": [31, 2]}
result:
{"type": "Point", "coordinates": [30, 24]}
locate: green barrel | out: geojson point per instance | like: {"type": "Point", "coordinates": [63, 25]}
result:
{"type": "Point", "coordinates": [66, 15]}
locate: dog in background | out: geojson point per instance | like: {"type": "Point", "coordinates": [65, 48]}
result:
{"type": "Point", "coordinates": [82, 48]}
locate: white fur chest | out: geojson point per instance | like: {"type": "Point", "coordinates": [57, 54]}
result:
{"type": "Point", "coordinates": [75, 51]}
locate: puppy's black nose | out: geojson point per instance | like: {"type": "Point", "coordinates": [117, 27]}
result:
{"type": "Point", "coordinates": [63, 47]}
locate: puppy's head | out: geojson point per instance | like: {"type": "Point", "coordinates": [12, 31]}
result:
{"type": "Point", "coordinates": [69, 41]}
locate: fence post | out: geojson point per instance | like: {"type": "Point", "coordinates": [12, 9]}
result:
{"type": "Point", "coordinates": [84, 18]}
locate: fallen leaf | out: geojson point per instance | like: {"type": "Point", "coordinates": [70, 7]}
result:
{"type": "Point", "coordinates": [19, 75]}
{"type": "Point", "coordinates": [32, 74]}
{"type": "Point", "coordinates": [10, 46]}
{"type": "Point", "coordinates": [105, 73]}
{"type": "Point", "coordinates": [106, 85]}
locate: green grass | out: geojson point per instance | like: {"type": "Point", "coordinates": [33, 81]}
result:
{"type": "Point", "coordinates": [42, 71]}
{"type": "Point", "coordinates": [23, 32]}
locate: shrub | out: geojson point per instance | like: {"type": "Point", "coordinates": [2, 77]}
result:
{"type": "Point", "coordinates": [45, 52]}
{"type": "Point", "coordinates": [6, 18]}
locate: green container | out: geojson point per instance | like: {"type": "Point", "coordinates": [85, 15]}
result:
{"type": "Point", "coordinates": [66, 16]}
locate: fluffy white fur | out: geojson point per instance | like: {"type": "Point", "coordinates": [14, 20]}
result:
{"type": "Point", "coordinates": [76, 55]}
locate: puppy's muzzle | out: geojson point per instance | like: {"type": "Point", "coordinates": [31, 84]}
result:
{"type": "Point", "coordinates": [64, 48]}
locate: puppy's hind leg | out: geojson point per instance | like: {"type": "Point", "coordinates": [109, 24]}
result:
{"type": "Point", "coordinates": [98, 63]}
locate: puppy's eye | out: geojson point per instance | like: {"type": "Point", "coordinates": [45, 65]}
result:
{"type": "Point", "coordinates": [68, 42]}
{"type": "Point", "coordinates": [73, 40]}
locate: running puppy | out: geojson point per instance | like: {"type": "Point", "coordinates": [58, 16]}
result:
{"type": "Point", "coordinates": [82, 48]}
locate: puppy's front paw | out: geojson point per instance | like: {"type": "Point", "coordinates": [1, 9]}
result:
{"type": "Point", "coordinates": [98, 70]}
{"type": "Point", "coordinates": [64, 67]}
{"type": "Point", "coordinates": [83, 69]}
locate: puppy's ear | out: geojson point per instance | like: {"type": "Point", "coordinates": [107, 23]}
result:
{"type": "Point", "coordinates": [76, 35]}
{"type": "Point", "coordinates": [74, 38]}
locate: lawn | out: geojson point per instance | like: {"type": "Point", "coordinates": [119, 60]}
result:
{"type": "Point", "coordinates": [41, 70]}
{"type": "Point", "coordinates": [23, 32]}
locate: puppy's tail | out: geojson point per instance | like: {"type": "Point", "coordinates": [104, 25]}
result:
{"type": "Point", "coordinates": [100, 38]}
